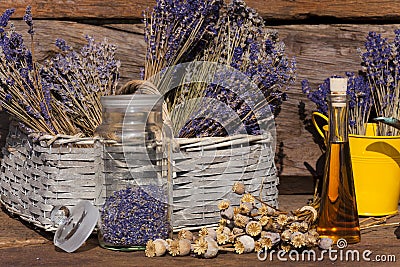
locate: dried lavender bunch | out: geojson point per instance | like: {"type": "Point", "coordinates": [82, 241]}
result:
{"type": "Point", "coordinates": [77, 80]}
{"type": "Point", "coordinates": [22, 93]}
{"type": "Point", "coordinates": [380, 61]}
{"type": "Point", "coordinates": [62, 96]}
{"type": "Point", "coordinates": [175, 31]}
{"type": "Point", "coordinates": [244, 44]}
{"type": "Point", "coordinates": [360, 102]}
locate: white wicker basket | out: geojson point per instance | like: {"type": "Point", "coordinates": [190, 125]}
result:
{"type": "Point", "coordinates": [37, 176]}
{"type": "Point", "coordinates": [206, 169]}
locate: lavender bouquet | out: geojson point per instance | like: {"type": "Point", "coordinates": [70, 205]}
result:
{"type": "Point", "coordinates": [62, 96]}
{"type": "Point", "coordinates": [380, 61]}
{"type": "Point", "coordinates": [360, 102]}
{"type": "Point", "coordinates": [232, 35]}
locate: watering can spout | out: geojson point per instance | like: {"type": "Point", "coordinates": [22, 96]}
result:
{"type": "Point", "coordinates": [389, 121]}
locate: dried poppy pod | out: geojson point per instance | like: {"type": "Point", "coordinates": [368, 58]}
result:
{"type": "Point", "coordinates": [185, 234]}
{"type": "Point", "coordinates": [227, 213]}
{"type": "Point", "coordinates": [156, 248]}
{"type": "Point", "coordinates": [298, 239]}
{"type": "Point", "coordinates": [325, 243]}
{"type": "Point", "coordinates": [206, 247]}
{"type": "Point", "coordinates": [174, 247]}
{"type": "Point", "coordinates": [286, 235]}
{"type": "Point", "coordinates": [241, 220]}
{"type": "Point", "coordinates": [184, 247]}
{"type": "Point", "coordinates": [253, 228]}
{"type": "Point", "coordinates": [239, 188]}
{"type": "Point", "coordinates": [244, 244]}
{"type": "Point", "coordinates": [274, 237]}
{"type": "Point", "coordinates": [223, 204]}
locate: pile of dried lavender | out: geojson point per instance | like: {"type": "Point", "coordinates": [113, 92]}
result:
{"type": "Point", "coordinates": [252, 226]}
{"type": "Point", "coordinates": [134, 215]}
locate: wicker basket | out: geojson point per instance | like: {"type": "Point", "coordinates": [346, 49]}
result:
{"type": "Point", "coordinates": [205, 170]}
{"type": "Point", "coordinates": [37, 176]}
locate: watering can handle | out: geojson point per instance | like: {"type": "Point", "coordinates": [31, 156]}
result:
{"type": "Point", "coordinates": [318, 114]}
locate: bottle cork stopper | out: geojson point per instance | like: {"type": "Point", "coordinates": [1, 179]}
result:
{"type": "Point", "coordinates": [338, 85]}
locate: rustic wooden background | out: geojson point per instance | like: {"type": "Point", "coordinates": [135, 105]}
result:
{"type": "Point", "coordinates": [322, 35]}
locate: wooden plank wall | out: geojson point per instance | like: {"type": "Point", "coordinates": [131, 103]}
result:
{"type": "Point", "coordinates": [322, 35]}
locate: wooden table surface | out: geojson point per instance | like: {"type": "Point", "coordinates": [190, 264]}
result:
{"type": "Point", "coordinates": [21, 245]}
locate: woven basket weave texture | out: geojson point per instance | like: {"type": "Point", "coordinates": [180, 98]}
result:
{"type": "Point", "coordinates": [35, 177]}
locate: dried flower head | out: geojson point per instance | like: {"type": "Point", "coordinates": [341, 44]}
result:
{"type": "Point", "coordinates": [282, 219]}
{"type": "Point", "coordinates": [286, 235]}
{"type": "Point", "coordinates": [264, 220]}
{"type": "Point", "coordinates": [237, 231]}
{"type": "Point", "coordinates": [223, 204]}
{"type": "Point", "coordinates": [222, 238]}
{"type": "Point", "coordinates": [174, 247]}
{"type": "Point", "coordinates": [266, 243]}
{"type": "Point", "coordinates": [298, 240]}
{"type": "Point", "coordinates": [200, 246]}
{"type": "Point", "coordinates": [150, 249]}
{"type": "Point", "coordinates": [245, 209]}
{"type": "Point", "coordinates": [185, 234]}
{"type": "Point", "coordinates": [295, 227]}
{"type": "Point", "coordinates": [227, 213]}
{"type": "Point", "coordinates": [253, 228]}
{"type": "Point", "coordinates": [274, 237]}
{"type": "Point", "coordinates": [311, 240]}
{"type": "Point", "coordinates": [236, 210]}
{"type": "Point", "coordinates": [203, 231]}
{"type": "Point", "coordinates": [313, 232]}
{"type": "Point", "coordinates": [286, 246]}
{"type": "Point", "coordinates": [238, 188]}
{"type": "Point", "coordinates": [263, 210]}
{"type": "Point", "coordinates": [257, 246]}
{"type": "Point", "coordinates": [220, 229]}
{"type": "Point", "coordinates": [247, 198]}
{"type": "Point", "coordinates": [241, 220]}
{"type": "Point", "coordinates": [222, 222]}
{"type": "Point", "coordinates": [239, 247]}
{"type": "Point", "coordinates": [212, 248]}
{"type": "Point", "coordinates": [169, 241]}
{"type": "Point", "coordinates": [304, 226]}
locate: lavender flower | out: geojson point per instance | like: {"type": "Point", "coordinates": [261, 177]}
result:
{"type": "Point", "coordinates": [28, 19]}
{"type": "Point", "coordinates": [61, 96]}
{"type": "Point", "coordinates": [5, 17]}
{"type": "Point", "coordinates": [360, 101]}
{"type": "Point", "coordinates": [380, 61]}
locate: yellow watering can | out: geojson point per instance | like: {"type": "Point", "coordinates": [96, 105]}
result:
{"type": "Point", "coordinates": [376, 169]}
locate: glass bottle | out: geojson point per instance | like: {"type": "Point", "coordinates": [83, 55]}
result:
{"type": "Point", "coordinates": [136, 154]}
{"type": "Point", "coordinates": [338, 217]}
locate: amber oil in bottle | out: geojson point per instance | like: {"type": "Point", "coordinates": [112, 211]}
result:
{"type": "Point", "coordinates": [338, 216]}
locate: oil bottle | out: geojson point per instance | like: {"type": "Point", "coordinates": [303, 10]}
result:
{"type": "Point", "coordinates": [338, 216]}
